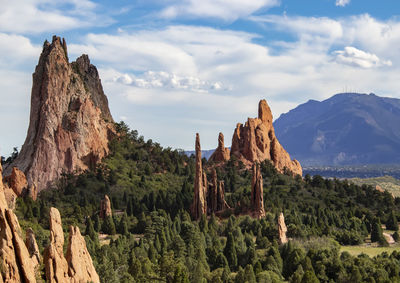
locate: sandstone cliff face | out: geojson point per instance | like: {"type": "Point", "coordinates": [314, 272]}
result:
{"type": "Point", "coordinates": [105, 207]}
{"type": "Point", "coordinates": [257, 198]}
{"type": "Point", "coordinates": [199, 204]}
{"type": "Point", "coordinates": [282, 229]}
{"type": "Point", "coordinates": [255, 141]}
{"type": "Point", "coordinates": [70, 123]}
{"type": "Point", "coordinates": [222, 153]}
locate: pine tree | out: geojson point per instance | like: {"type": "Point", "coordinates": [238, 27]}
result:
{"type": "Point", "coordinates": [123, 225]}
{"type": "Point", "coordinates": [391, 223]}
{"type": "Point", "coordinates": [230, 252]}
{"type": "Point", "coordinates": [97, 224]}
{"type": "Point", "coordinates": [249, 274]}
{"type": "Point", "coordinates": [90, 230]}
{"type": "Point", "coordinates": [108, 226]}
{"type": "Point", "coordinates": [376, 232]}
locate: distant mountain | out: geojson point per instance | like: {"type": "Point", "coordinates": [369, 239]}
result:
{"type": "Point", "coordinates": [204, 153]}
{"type": "Point", "coordinates": [346, 129]}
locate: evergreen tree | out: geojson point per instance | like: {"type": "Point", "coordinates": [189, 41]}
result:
{"type": "Point", "coordinates": [249, 274]}
{"type": "Point", "coordinates": [230, 252]}
{"type": "Point", "coordinates": [123, 225]}
{"type": "Point", "coordinates": [309, 277]}
{"type": "Point", "coordinates": [97, 224]}
{"type": "Point", "coordinates": [90, 230]}
{"type": "Point", "coordinates": [108, 226]}
{"type": "Point", "coordinates": [391, 223]}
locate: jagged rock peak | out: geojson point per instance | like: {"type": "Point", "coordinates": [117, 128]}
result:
{"type": "Point", "coordinates": [221, 154]}
{"type": "Point", "coordinates": [199, 204]}
{"type": "Point", "coordinates": [282, 229]}
{"type": "Point", "coordinates": [257, 193]}
{"type": "Point", "coordinates": [32, 247]}
{"type": "Point", "coordinates": [70, 122]}
{"type": "Point", "coordinates": [105, 207]}
{"type": "Point", "coordinates": [81, 268]}
{"type": "Point", "coordinates": [255, 141]}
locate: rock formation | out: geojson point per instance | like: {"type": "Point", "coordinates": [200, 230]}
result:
{"type": "Point", "coordinates": [32, 247]}
{"type": "Point", "coordinates": [222, 153]}
{"type": "Point", "coordinates": [282, 229]}
{"type": "Point", "coordinates": [199, 204]}
{"type": "Point", "coordinates": [16, 264]}
{"type": "Point", "coordinates": [221, 203]}
{"type": "Point", "coordinates": [70, 122]}
{"type": "Point", "coordinates": [256, 141]}
{"type": "Point", "coordinates": [80, 263]}
{"type": "Point", "coordinates": [257, 198]}
{"type": "Point", "coordinates": [105, 207]}
{"type": "Point", "coordinates": [32, 192]}
{"type": "Point", "coordinates": [55, 263]}
{"type": "Point", "coordinates": [20, 260]}
{"type": "Point", "coordinates": [17, 181]}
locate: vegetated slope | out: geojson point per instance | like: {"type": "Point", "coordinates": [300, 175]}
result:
{"type": "Point", "coordinates": [151, 189]}
{"type": "Point", "coordinates": [387, 183]}
{"type": "Point", "coordinates": [348, 128]}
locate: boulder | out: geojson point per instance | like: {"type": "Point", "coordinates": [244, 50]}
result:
{"type": "Point", "coordinates": [17, 181]}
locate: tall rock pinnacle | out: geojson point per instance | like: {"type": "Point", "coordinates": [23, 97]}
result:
{"type": "Point", "coordinates": [70, 122]}
{"type": "Point", "coordinates": [257, 198]}
{"type": "Point", "coordinates": [255, 141]}
{"type": "Point", "coordinates": [199, 204]}
{"type": "Point", "coordinates": [282, 229]}
{"type": "Point", "coordinates": [221, 154]}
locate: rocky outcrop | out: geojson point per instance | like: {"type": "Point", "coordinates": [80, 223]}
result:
{"type": "Point", "coordinates": [80, 263]}
{"type": "Point", "coordinates": [257, 198]}
{"type": "Point", "coordinates": [222, 153]}
{"type": "Point", "coordinates": [105, 207]}
{"type": "Point", "coordinates": [221, 203]}
{"type": "Point", "coordinates": [199, 204]}
{"type": "Point", "coordinates": [16, 264]}
{"type": "Point", "coordinates": [255, 141]}
{"type": "Point", "coordinates": [32, 192]}
{"type": "Point", "coordinates": [17, 181]}
{"type": "Point", "coordinates": [33, 249]}
{"type": "Point", "coordinates": [55, 263]}
{"type": "Point", "coordinates": [282, 229]}
{"type": "Point", "coordinates": [70, 122]}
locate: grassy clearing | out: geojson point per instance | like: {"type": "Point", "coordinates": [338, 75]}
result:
{"type": "Point", "coordinates": [369, 250]}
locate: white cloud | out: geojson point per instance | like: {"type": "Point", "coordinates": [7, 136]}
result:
{"type": "Point", "coordinates": [151, 79]}
{"type": "Point", "coordinates": [355, 57]}
{"type": "Point", "coordinates": [342, 3]}
{"type": "Point", "coordinates": [37, 16]}
{"type": "Point", "coordinates": [221, 9]}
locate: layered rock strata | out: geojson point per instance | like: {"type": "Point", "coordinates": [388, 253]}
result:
{"type": "Point", "coordinates": [257, 198]}
{"type": "Point", "coordinates": [222, 153]}
{"type": "Point", "coordinates": [70, 122]}
{"type": "Point", "coordinates": [255, 141]}
{"type": "Point", "coordinates": [282, 229]}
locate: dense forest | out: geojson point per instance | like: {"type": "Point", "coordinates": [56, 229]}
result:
{"type": "Point", "coordinates": [152, 238]}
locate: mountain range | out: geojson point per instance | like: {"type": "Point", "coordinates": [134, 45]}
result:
{"type": "Point", "coordinates": [346, 129]}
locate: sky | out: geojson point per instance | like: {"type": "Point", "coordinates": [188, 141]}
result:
{"type": "Point", "coordinates": [173, 68]}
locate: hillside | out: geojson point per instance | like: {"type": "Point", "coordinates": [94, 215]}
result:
{"type": "Point", "coordinates": [346, 129]}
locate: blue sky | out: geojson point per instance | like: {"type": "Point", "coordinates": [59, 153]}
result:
{"type": "Point", "coordinates": [173, 68]}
